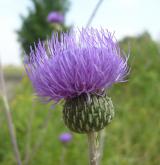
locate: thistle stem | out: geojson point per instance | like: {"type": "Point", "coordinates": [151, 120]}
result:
{"type": "Point", "coordinates": [102, 136]}
{"type": "Point", "coordinates": [93, 148]}
{"type": "Point", "coordinates": [63, 155]}
{"type": "Point", "coordinates": [9, 118]}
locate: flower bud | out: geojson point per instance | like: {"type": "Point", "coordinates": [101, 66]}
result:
{"type": "Point", "coordinates": [88, 113]}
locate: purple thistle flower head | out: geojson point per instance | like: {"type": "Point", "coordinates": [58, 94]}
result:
{"type": "Point", "coordinates": [55, 17]}
{"type": "Point", "coordinates": [85, 61]}
{"type": "Point", "coordinates": [65, 137]}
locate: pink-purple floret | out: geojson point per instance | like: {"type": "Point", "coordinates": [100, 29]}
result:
{"type": "Point", "coordinates": [55, 17]}
{"type": "Point", "coordinates": [65, 137]}
{"type": "Point", "coordinates": [82, 61]}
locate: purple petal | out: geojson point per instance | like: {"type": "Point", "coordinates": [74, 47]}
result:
{"type": "Point", "coordinates": [82, 61]}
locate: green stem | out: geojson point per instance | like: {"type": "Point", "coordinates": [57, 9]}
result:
{"type": "Point", "coordinates": [102, 136]}
{"type": "Point", "coordinates": [93, 148]}
{"type": "Point", "coordinates": [9, 118]}
{"type": "Point", "coordinates": [63, 154]}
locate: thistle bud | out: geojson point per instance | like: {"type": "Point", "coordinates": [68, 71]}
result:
{"type": "Point", "coordinates": [88, 113]}
{"type": "Point", "coordinates": [76, 68]}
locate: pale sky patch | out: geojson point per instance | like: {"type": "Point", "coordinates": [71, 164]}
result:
{"type": "Point", "coordinates": [124, 17]}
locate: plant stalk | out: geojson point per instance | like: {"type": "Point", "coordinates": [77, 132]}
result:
{"type": "Point", "coordinates": [9, 119]}
{"type": "Point", "coordinates": [63, 155]}
{"type": "Point", "coordinates": [102, 136]}
{"type": "Point", "coordinates": [93, 148]}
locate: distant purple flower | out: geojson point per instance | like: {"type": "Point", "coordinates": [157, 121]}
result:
{"type": "Point", "coordinates": [83, 61]}
{"type": "Point", "coordinates": [65, 137]}
{"type": "Point", "coordinates": [55, 17]}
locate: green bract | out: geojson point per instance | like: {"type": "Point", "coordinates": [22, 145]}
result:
{"type": "Point", "coordinates": [88, 113]}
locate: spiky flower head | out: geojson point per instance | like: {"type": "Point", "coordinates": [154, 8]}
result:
{"type": "Point", "coordinates": [55, 17]}
{"type": "Point", "coordinates": [80, 66]}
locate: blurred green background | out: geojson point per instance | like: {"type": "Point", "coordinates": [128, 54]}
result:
{"type": "Point", "coordinates": [132, 138]}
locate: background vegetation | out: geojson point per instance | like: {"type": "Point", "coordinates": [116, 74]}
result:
{"type": "Point", "coordinates": [35, 26]}
{"type": "Point", "coordinates": [132, 137]}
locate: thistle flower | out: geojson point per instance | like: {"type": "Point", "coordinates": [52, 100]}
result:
{"type": "Point", "coordinates": [79, 68]}
{"type": "Point", "coordinates": [55, 17]}
{"type": "Point", "coordinates": [65, 137]}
